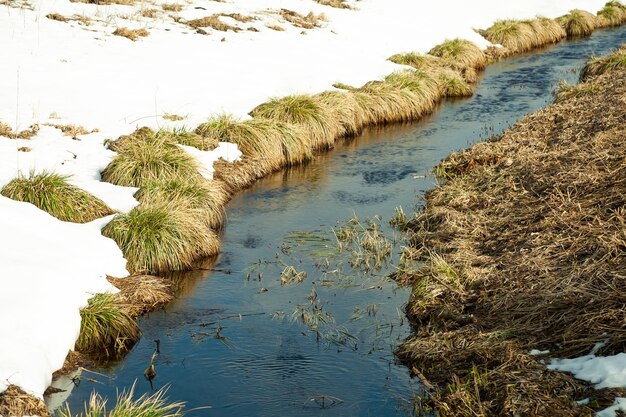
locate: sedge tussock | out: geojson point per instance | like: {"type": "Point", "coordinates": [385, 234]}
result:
{"type": "Point", "coordinates": [205, 197]}
{"type": "Point", "coordinates": [190, 138]}
{"type": "Point", "coordinates": [612, 14]}
{"type": "Point", "coordinates": [160, 236]}
{"type": "Point", "coordinates": [52, 193]}
{"type": "Point", "coordinates": [350, 115]}
{"type": "Point", "coordinates": [522, 36]}
{"type": "Point", "coordinates": [213, 22]}
{"type": "Point", "coordinates": [306, 111]}
{"type": "Point", "coordinates": [600, 65]}
{"type": "Point", "coordinates": [147, 405]}
{"type": "Point", "coordinates": [416, 60]}
{"type": "Point", "coordinates": [461, 52]}
{"type": "Point", "coordinates": [454, 84]}
{"type": "Point", "coordinates": [239, 174]}
{"type": "Point", "coordinates": [146, 156]}
{"type": "Point", "coordinates": [132, 34]}
{"type": "Point", "coordinates": [578, 23]}
{"type": "Point", "coordinates": [273, 143]}
{"type": "Point", "coordinates": [106, 326]}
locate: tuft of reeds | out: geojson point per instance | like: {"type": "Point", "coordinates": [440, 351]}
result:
{"type": "Point", "coordinates": [160, 236]}
{"type": "Point", "coordinates": [306, 111]}
{"type": "Point", "coordinates": [106, 326]}
{"type": "Point", "coordinates": [52, 193]}
{"type": "Point", "coordinates": [146, 156]}
{"type": "Point", "coordinates": [612, 14]}
{"type": "Point", "coordinates": [15, 402]}
{"type": "Point", "coordinates": [578, 23]}
{"type": "Point", "coordinates": [147, 405]}
{"type": "Point", "coordinates": [460, 52]}
{"type": "Point", "coordinates": [599, 65]}
{"type": "Point", "coordinates": [132, 34]}
{"type": "Point", "coordinates": [204, 197]}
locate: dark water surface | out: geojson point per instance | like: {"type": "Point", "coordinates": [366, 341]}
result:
{"type": "Point", "coordinates": [263, 363]}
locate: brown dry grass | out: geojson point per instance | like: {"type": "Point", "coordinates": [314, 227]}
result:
{"type": "Point", "coordinates": [212, 22]}
{"type": "Point", "coordinates": [15, 402]}
{"type": "Point", "coordinates": [149, 13]}
{"type": "Point", "coordinates": [310, 21]}
{"type": "Point", "coordinates": [522, 36]}
{"type": "Point", "coordinates": [71, 130]}
{"type": "Point", "coordinates": [6, 130]}
{"type": "Point", "coordinates": [523, 248]}
{"type": "Point", "coordinates": [57, 16]}
{"type": "Point", "coordinates": [143, 293]}
{"type": "Point", "coordinates": [172, 7]}
{"type": "Point", "coordinates": [132, 34]}
{"type": "Point", "coordinates": [339, 4]}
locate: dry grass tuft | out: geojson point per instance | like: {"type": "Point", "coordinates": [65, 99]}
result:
{"type": "Point", "coordinates": [310, 21]}
{"type": "Point", "coordinates": [146, 157]}
{"type": "Point", "coordinates": [143, 293]}
{"type": "Point", "coordinates": [6, 130]}
{"type": "Point", "coordinates": [132, 34]}
{"type": "Point", "coordinates": [149, 13]}
{"type": "Point", "coordinates": [600, 65]}
{"type": "Point", "coordinates": [578, 23]}
{"type": "Point", "coordinates": [339, 4]}
{"type": "Point", "coordinates": [172, 7]}
{"type": "Point", "coordinates": [57, 16]}
{"type": "Point", "coordinates": [72, 131]}
{"type": "Point", "coordinates": [567, 91]}
{"type": "Point", "coordinates": [523, 248]}
{"type": "Point", "coordinates": [212, 22]}
{"type": "Point", "coordinates": [277, 28]}
{"type": "Point", "coordinates": [52, 193]}
{"type": "Point", "coordinates": [460, 52]}
{"type": "Point", "coordinates": [15, 402]}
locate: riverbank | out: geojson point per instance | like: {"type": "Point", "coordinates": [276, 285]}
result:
{"type": "Point", "coordinates": [521, 255]}
{"type": "Point", "coordinates": [381, 96]}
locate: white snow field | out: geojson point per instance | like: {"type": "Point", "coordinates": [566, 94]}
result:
{"type": "Point", "coordinates": [72, 73]}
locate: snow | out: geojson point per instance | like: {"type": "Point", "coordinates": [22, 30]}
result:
{"type": "Point", "coordinates": [604, 371]}
{"type": "Point", "coordinates": [70, 73]}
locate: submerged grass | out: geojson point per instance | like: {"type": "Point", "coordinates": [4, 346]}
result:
{"type": "Point", "coordinates": [106, 326]}
{"type": "Point", "coordinates": [522, 248]}
{"type": "Point", "coordinates": [52, 193]}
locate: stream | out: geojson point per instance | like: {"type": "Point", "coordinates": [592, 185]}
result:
{"type": "Point", "coordinates": [235, 340]}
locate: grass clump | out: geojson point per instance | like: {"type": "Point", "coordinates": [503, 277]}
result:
{"type": "Point", "coordinates": [143, 293]}
{"type": "Point", "coordinates": [6, 130]}
{"type": "Point", "coordinates": [522, 36]}
{"type": "Point", "coordinates": [161, 236]}
{"type": "Point", "coordinates": [306, 111]}
{"type": "Point", "coordinates": [147, 156]}
{"type": "Point", "coordinates": [172, 7]}
{"type": "Point", "coordinates": [309, 21]}
{"type": "Point", "coordinates": [204, 197]}
{"type": "Point", "coordinates": [106, 326]}
{"type": "Point", "coordinates": [461, 52]}
{"type": "Point", "coordinates": [52, 193]}
{"type": "Point", "coordinates": [578, 23]}
{"type": "Point", "coordinates": [132, 34]}
{"type": "Point", "coordinates": [339, 4]}
{"type": "Point", "coordinates": [57, 16]}
{"type": "Point", "coordinates": [147, 405]}
{"type": "Point", "coordinates": [454, 85]}
{"type": "Point", "coordinates": [612, 14]}
{"type": "Point", "coordinates": [600, 65]}
{"type": "Point", "coordinates": [566, 91]}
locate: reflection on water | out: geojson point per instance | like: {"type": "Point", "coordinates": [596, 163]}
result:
{"type": "Point", "coordinates": [230, 340]}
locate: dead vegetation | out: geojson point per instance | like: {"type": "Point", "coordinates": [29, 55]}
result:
{"type": "Point", "coordinates": [523, 248]}
{"type": "Point", "coordinates": [132, 34]}
{"type": "Point", "coordinates": [339, 4]}
{"type": "Point", "coordinates": [15, 402]}
{"type": "Point", "coordinates": [57, 16]}
{"type": "Point", "coordinates": [172, 7]}
{"type": "Point", "coordinates": [72, 130]}
{"type": "Point", "coordinates": [7, 131]}
{"type": "Point", "coordinates": [310, 21]}
{"type": "Point", "coordinates": [214, 22]}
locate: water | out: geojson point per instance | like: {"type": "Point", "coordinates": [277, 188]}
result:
{"type": "Point", "coordinates": [261, 365]}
